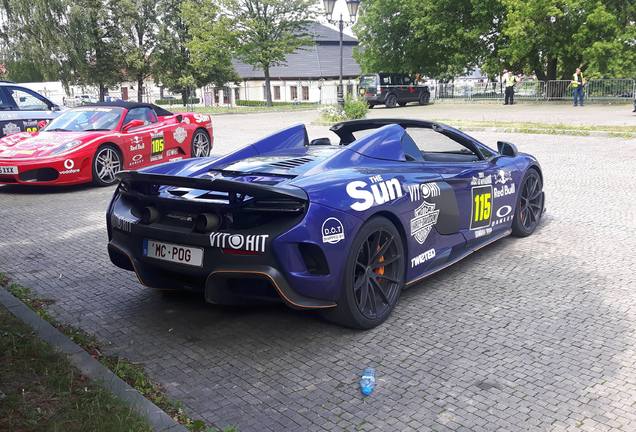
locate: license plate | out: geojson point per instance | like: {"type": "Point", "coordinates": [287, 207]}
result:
{"type": "Point", "coordinates": [8, 169]}
{"type": "Point", "coordinates": [173, 253]}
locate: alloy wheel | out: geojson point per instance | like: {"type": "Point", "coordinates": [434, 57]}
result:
{"type": "Point", "coordinates": [200, 145]}
{"type": "Point", "coordinates": [107, 165]}
{"type": "Point", "coordinates": [531, 202]}
{"type": "Point", "coordinates": [376, 279]}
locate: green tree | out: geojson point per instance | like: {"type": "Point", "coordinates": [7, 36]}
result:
{"type": "Point", "coordinates": [441, 38]}
{"type": "Point", "coordinates": [445, 38]}
{"type": "Point", "coordinates": [95, 43]}
{"type": "Point", "coordinates": [608, 38]}
{"type": "Point", "coordinates": [209, 39]}
{"type": "Point", "coordinates": [172, 67]}
{"type": "Point", "coordinates": [30, 34]}
{"type": "Point", "coordinates": [265, 32]}
{"type": "Point", "coordinates": [75, 41]}
{"type": "Point", "coordinates": [23, 71]}
{"type": "Point", "coordinates": [140, 32]}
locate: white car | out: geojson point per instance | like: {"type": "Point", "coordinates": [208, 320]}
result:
{"type": "Point", "coordinates": [23, 110]}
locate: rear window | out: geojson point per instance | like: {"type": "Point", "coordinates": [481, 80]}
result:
{"type": "Point", "coordinates": [368, 80]}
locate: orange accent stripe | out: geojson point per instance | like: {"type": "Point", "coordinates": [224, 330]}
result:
{"type": "Point", "coordinates": [280, 291]}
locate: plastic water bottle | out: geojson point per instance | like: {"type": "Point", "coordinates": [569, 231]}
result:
{"type": "Point", "coordinates": [367, 381]}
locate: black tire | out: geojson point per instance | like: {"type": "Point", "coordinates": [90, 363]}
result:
{"type": "Point", "coordinates": [402, 104]}
{"type": "Point", "coordinates": [390, 101]}
{"type": "Point", "coordinates": [201, 144]}
{"type": "Point", "coordinates": [424, 98]}
{"type": "Point", "coordinates": [379, 279]}
{"type": "Point", "coordinates": [530, 201]}
{"type": "Point", "coordinates": [107, 162]}
{"type": "Point", "coordinates": [370, 105]}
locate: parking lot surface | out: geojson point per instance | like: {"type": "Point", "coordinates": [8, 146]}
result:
{"type": "Point", "coordinates": [526, 334]}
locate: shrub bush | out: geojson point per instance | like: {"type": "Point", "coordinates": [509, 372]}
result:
{"type": "Point", "coordinates": [177, 101]}
{"type": "Point", "coordinates": [332, 114]}
{"type": "Point", "coordinates": [355, 108]}
{"type": "Point", "coordinates": [258, 103]}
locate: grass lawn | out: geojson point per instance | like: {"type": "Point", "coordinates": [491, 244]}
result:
{"type": "Point", "coordinates": [538, 125]}
{"type": "Point", "coordinates": [133, 374]}
{"type": "Point", "coordinates": [241, 109]}
{"type": "Point", "coordinates": [41, 391]}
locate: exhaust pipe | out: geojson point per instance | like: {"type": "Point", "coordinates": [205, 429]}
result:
{"type": "Point", "coordinates": [149, 215]}
{"type": "Point", "coordinates": [206, 222]}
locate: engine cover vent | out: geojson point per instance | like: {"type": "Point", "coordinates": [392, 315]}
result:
{"type": "Point", "coordinates": [291, 163]}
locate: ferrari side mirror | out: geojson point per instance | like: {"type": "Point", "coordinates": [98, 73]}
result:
{"type": "Point", "coordinates": [133, 124]}
{"type": "Point", "coordinates": [179, 118]}
{"type": "Point", "coordinates": [507, 149]}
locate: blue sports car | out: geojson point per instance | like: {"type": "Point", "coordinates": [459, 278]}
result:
{"type": "Point", "coordinates": [341, 227]}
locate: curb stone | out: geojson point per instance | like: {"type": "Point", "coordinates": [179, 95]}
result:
{"type": "Point", "coordinates": [155, 416]}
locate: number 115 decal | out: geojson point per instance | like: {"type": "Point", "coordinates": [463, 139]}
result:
{"type": "Point", "coordinates": [482, 206]}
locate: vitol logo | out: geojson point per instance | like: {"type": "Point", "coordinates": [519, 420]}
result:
{"type": "Point", "coordinates": [250, 242]}
{"type": "Point", "coordinates": [381, 191]}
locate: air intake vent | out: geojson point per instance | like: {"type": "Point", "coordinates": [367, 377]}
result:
{"type": "Point", "coordinates": [292, 163]}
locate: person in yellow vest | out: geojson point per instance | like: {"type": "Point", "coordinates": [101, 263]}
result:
{"type": "Point", "coordinates": [509, 80]}
{"type": "Point", "coordinates": [578, 82]}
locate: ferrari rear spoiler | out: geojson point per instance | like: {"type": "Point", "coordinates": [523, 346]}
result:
{"type": "Point", "coordinates": [213, 191]}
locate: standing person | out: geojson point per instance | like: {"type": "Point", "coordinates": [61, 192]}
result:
{"type": "Point", "coordinates": [509, 80]}
{"type": "Point", "coordinates": [578, 82]}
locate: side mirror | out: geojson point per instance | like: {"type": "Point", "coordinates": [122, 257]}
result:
{"type": "Point", "coordinates": [507, 149]}
{"type": "Point", "coordinates": [133, 124]}
{"type": "Point", "coordinates": [320, 141]}
{"type": "Point", "coordinates": [55, 108]}
{"type": "Point", "coordinates": [179, 118]}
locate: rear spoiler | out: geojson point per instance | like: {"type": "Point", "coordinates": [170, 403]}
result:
{"type": "Point", "coordinates": [144, 185]}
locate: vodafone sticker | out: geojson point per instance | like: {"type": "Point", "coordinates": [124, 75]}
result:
{"type": "Point", "coordinates": [69, 166]}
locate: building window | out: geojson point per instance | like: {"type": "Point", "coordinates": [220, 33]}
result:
{"type": "Point", "coordinates": [305, 93]}
{"type": "Point", "coordinates": [237, 93]}
{"type": "Point", "coordinates": [293, 92]}
{"type": "Point", "coordinates": [276, 92]}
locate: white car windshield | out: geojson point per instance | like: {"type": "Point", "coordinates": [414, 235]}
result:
{"type": "Point", "coordinates": [86, 119]}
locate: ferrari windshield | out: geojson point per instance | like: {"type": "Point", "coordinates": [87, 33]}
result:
{"type": "Point", "coordinates": [86, 119]}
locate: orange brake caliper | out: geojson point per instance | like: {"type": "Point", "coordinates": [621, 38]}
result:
{"type": "Point", "coordinates": [380, 270]}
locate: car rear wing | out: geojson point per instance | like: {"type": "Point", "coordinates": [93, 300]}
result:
{"type": "Point", "coordinates": [205, 192]}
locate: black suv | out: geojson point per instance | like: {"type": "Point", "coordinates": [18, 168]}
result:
{"type": "Point", "coordinates": [22, 109]}
{"type": "Point", "coordinates": [391, 89]}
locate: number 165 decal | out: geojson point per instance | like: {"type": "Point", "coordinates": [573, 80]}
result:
{"type": "Point", "coordinates": [482, 206]}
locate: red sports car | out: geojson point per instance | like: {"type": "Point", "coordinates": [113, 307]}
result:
{"type": "Point", "coordinates": [93, 142]}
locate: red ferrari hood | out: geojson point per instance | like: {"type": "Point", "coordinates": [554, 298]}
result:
{"type": "Point", "coordinates": [26, 145]}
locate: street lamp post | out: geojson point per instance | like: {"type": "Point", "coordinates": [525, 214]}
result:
{"type": "Point", "coordinates": [352, 5]}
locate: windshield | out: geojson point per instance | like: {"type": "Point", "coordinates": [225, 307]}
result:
{"type": "Point", "coordinates": [86, 119]}
{"type": "Point", "coordinates": [368, 80]}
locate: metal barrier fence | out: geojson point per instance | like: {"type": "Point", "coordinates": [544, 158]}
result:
{"type": "Point", "coordinates": [533, 90]}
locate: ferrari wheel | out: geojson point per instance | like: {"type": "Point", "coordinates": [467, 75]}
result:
{"type": "Point", "coordinates": [106, 164]}
{"type": "Point", "coordinates": [374, 276]}
{"type": "Point", "coordinates": [391, 101]}
{"type": "Point", "coordinates": [529, 205]}
{"type": "Point", "coordinates": [201, 146]}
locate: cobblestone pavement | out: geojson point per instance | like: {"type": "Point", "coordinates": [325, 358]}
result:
{"type": "Point", "coordinates": [526, 334]}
